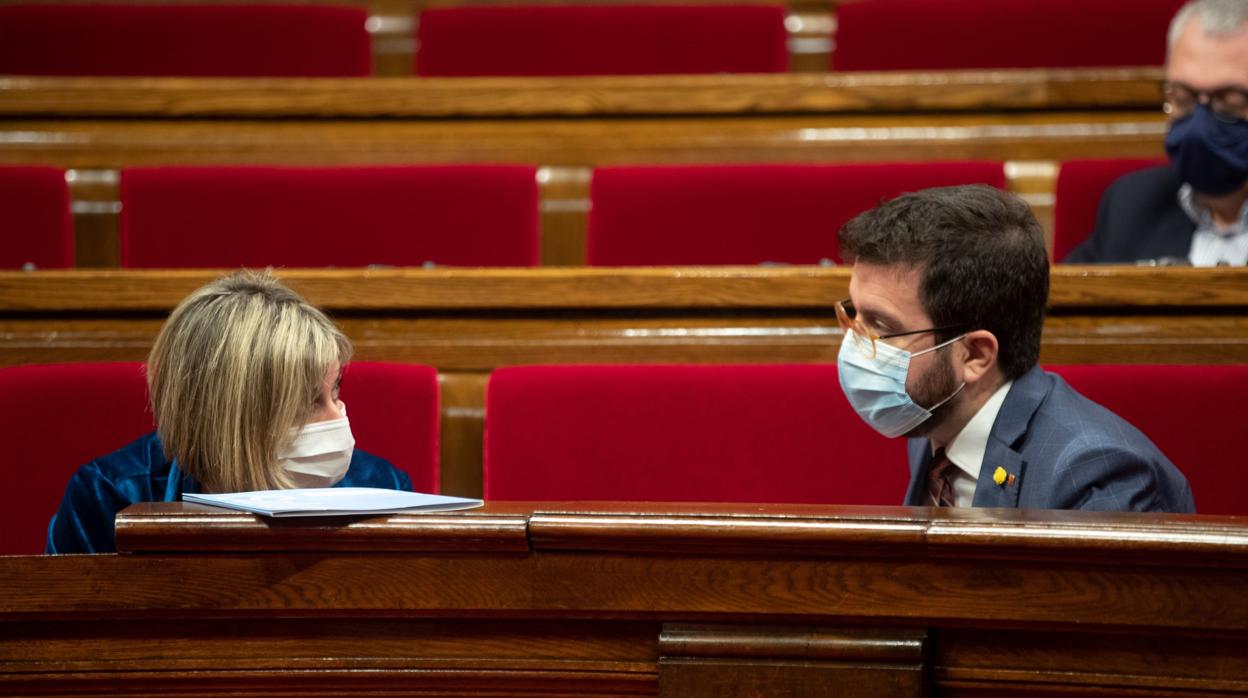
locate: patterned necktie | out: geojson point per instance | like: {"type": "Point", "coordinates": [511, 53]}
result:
{"type": "Point", "coordinates": [940, 481]}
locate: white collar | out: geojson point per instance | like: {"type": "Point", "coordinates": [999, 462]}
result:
{"type": "Point", "coordinates": [1203, 217]}
{"type": "Point", "coordinates": [967, 448]}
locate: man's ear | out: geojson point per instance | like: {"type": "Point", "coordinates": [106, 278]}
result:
{"type": "Point", "coordinates": [981, 355]}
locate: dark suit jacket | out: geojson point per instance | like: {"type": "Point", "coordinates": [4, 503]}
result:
{"type": "Point", "coordinates": [1065, 452]}
{"type": "Point", "coordinates": [1139, 218]}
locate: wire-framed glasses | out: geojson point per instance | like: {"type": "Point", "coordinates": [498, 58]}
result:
{"type": "Point", "coordinates": [865, 337]}
{"type": "Point", "coordinates": [1229, 103]}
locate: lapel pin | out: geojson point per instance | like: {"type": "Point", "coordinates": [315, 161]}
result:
{"type": "Point", "coordinates": [999, 475]}
{"type": "Point", "coordinates": [1009, 480]}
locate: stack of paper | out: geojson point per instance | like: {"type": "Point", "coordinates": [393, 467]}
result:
{"type": "Point", "coordinates": [333, 501]}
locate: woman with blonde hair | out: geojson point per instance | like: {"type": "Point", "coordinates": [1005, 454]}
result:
{"type": "Point", "coordinates": [243, 381]}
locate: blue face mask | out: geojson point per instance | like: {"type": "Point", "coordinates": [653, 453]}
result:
{"type": "Point", "coordinates": [1210, 154]}
{"type": "Point", "coordinates": [876, 387]}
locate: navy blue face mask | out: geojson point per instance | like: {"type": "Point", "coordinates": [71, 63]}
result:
{"type": "Point", "coordinates": [1210, 154]}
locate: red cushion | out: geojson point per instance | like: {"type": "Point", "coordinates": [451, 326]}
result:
{"type": "Point", "coordinates": [748, 214]}
{"type": "Point", "coordinates": [766, 433]}
{"type": "Point", "coordinates": [968, 34]}
{"type": "Point", "coordinates": [191, 40]}
{"type": "Point", "coordinates": [602, 40]}
{"type": "Point", "coordinates": [394, 413]}
{"type": "Point", "coordinates": [34, 205]}
{"type": "Point", "coordinates": [1190, 412]}
{"type": "Point", "coordinates": [476, 215]}
{"type": "Point", "coordinates": [1080, 184]}
{"type": "Point", "coordinates": [53, 419]}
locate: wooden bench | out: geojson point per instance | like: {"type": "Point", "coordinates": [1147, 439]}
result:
{"type": "Point", "coordinates": [1029, 119]}
{"type": "Point", "coordinates": [597, 599]}
{"type": "Point", "coordinates": [468, 322]}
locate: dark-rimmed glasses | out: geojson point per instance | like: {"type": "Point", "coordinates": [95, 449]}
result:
{"type": "Point", "coordinates": [865, 337]}
{"type": "Point", "coordinates": [1229, 103]}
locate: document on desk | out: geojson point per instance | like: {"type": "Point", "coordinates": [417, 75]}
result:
{"type": "Point", "coordinates": [333, 501]}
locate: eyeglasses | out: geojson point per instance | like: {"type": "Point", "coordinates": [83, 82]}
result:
{"type": "Point", "coordinates": [1228, 103]}
{"type": "Point", "coordinates": [865, 337]}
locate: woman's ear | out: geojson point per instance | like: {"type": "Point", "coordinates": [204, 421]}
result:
{"type": "Point", "coordinates": [981, 355]}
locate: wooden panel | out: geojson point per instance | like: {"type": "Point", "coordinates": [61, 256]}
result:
{"type": "Point", "coordinates": [586, 141]}
{"type": "Point", "coordinates": [584, 96]}
{"type": "Point", "coordinates": [638, 599]}
{"type": "Point", "coordinates": [462, 432]}
{"type": "Point", "coordinates": [725, 660]}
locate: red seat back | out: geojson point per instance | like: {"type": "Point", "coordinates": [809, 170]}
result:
{"type": "Point", "coordinates": [1080, 184]}
{"type": "Point", "coordinates": [601, 40]}
{"type": "Point", "coordinates": [1188, 411]}
{"type": "Point", "coordinates": [394, 411]}
{"type": "Point", "coordinates": [765, 433]}
{"type": "Point", "coordinates": [975, 34]}
{"type": "Point", "coordinates": [748, 214]}
{"type": "Point", "coordinates": [191, 40]}
{"type": "Point", "coordinates": [470, 215]}
{"type": "Point", "coordinates": [34, 204]}
{"type": "Point", "coordinates": [53, 419]}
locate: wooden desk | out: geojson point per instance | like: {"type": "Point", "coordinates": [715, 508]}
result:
{"type": "Point", "coordinates": [611, 600]}
{"type": "Point", "coordinates": [466, 322]}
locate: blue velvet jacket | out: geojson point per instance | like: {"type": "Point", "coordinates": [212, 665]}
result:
{"type": "Point", "coordinates": [139, 472]}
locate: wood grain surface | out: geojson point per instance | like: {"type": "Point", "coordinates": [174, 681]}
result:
{"type": "Point", "coordinates": [582, 96]}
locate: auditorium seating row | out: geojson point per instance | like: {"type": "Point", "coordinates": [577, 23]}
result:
{"type": "Point", "coordinates": [471, 215]}
{"type": "Point", "coordinates": [735, 433]}
{"type": "Point", "coordinates": [325, 40]}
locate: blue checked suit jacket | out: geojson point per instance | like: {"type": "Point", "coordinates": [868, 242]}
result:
{"type": "Point", "coordinates": [1066, 452]}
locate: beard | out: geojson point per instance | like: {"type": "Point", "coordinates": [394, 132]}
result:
{"type": "Point", "coordinates": [937, 384]}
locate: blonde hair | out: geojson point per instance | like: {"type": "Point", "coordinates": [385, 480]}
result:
{"type": "Point", "coordinates": [238, 364]}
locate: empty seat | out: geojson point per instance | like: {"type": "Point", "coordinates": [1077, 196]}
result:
{"type": "Point", "coordinates": [35, 217]}
{"type": "Point", "coordinates": [1188, 411]}
{"type": "Point", "coordinates": [974, 34]}
{"type": "Point", "coordinates": [748, 214]}
{"type": "Point", "coordinates": [1080, 184]}
{"type": "Point", "coordinates": [601, 40]}
{"type": "Point", "coordinates": [395, 413]}
{"type": "Point", "coordinates": [54, 419]}
{"type": "Point", "coordinates": [730, 433]}
{"type": "Point", "coordinates": [317, 217]}
{"type": "Point", "coordinates": [184, 40]}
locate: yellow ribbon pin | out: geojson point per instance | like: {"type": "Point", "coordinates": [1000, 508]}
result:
{"type": "Point", "coordinates": [999, 475]}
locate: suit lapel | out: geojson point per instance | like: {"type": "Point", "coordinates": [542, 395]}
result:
{"type": "Point", "coordinates": [920, 453]}
{"type": "Point", "coordinates": [1021, 403]}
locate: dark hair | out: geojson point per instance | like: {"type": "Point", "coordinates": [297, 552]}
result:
{"type": "Point", "coordinates": [981, 257]}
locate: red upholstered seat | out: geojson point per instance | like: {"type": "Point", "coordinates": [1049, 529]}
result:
{"type": "Point", "coordinates": [395, 413]}
{"type": "Point", "coordinates": [748, 214]}
{"type": "Point", "coordinates": [191, 40]}
{"type": "Point", "coordinates": [601, 40]}
{"type": "Point", "coordinates": [35, 218]}
{"type": "Point", "coordinates": [972, 34]}
{"type": "Point", "coordinates": [470, 215]}
{"type": "Point", "coordinates": [1080, 184]}
{"type": "Point", "coordinates": [1191, 412]}
{"type": "Point", "coordinates": [53, 419]}
{"type": "Point", "coordinates": [733, 433]}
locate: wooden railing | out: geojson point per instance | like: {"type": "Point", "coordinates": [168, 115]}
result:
{"type": "Point", "coordinates": [467, 322]}
{"type": "Point", "coordinates": [596, 599]}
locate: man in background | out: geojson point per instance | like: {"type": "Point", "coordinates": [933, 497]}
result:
{"type": "Point", "coordinates": [1196, 209]}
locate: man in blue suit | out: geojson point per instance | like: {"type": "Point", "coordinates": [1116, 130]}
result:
{"type": "Point", "coordinates": [942, 337]}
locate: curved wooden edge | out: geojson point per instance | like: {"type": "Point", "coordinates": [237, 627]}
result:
{"type": "Point", "coordinates": [175, 526]}
{"type": "Point", "coordinates": [581, 96]}
{"type": "Point", "coordinates": [708, 529]}
{"type": "Point", "coordinates": [588, 288]}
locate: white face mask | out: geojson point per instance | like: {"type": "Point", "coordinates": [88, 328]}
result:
{"type": "Point", "coordinates": [320, 454]}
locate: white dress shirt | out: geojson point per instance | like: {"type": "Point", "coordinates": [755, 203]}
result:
{"type": "Point", "coordinates": [966, 451]}
{"type": "Point", "coordinates": [1213, 245]}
